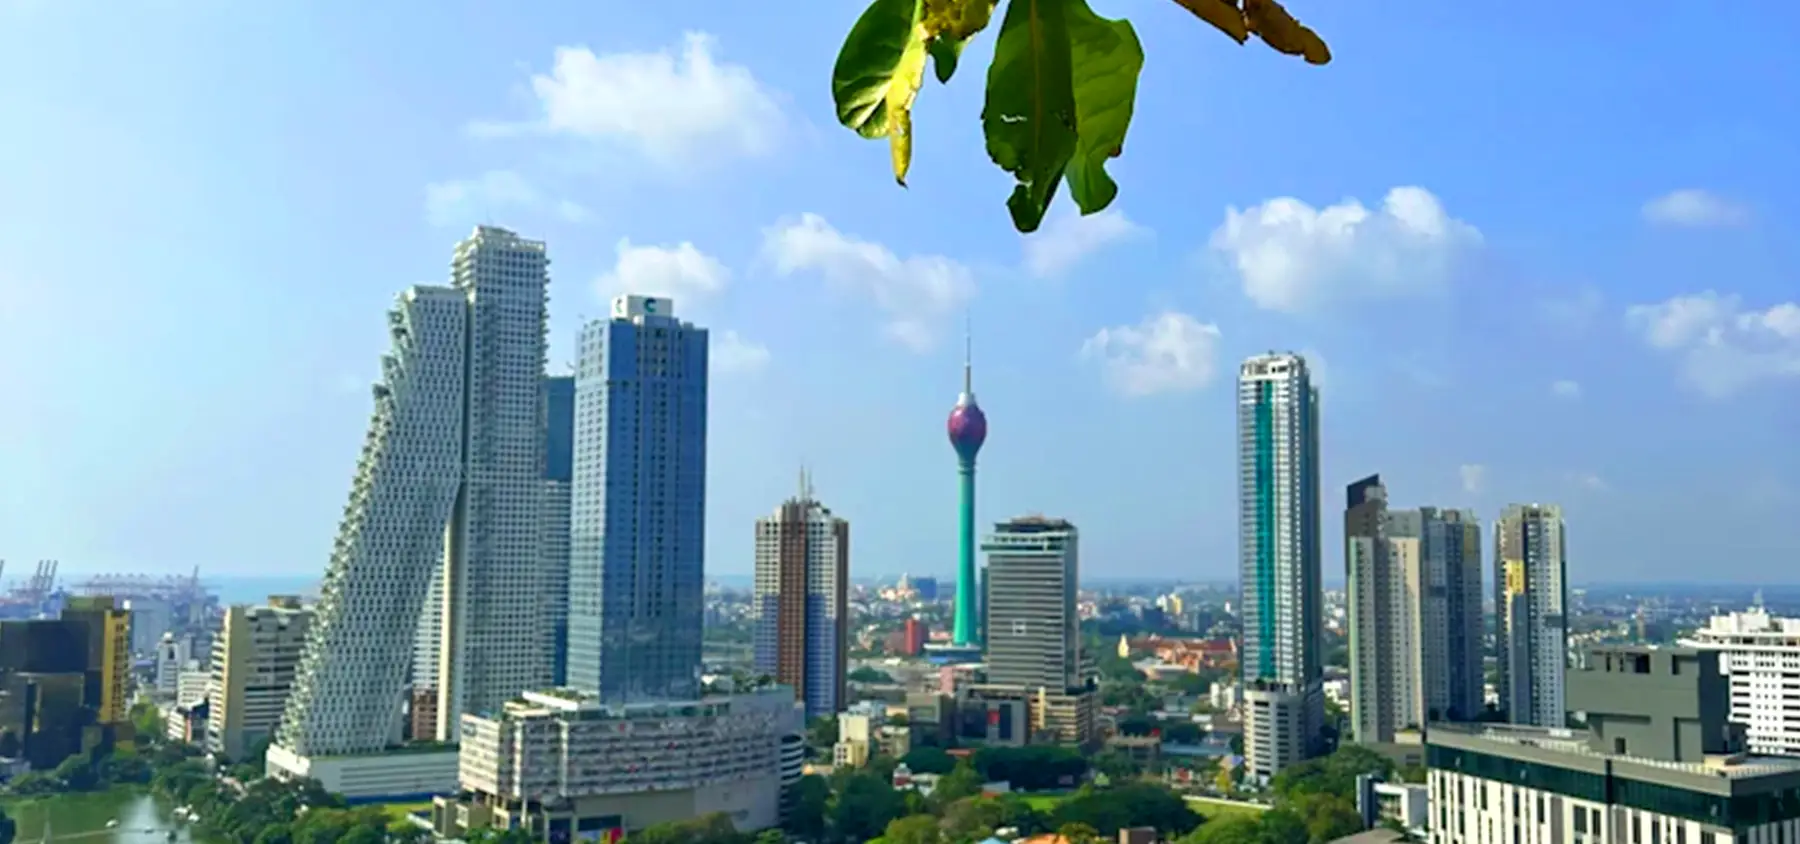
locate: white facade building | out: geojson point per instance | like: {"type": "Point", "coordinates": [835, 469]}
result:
{"type": "Point", "coordinates": [560, 761]}
{"type": "Point", "coordinates": [1282, 597]}
{"type": "Point", "coordinates": [1760, 653]}
{"type": "Point", "coordinates": [253, 663]}
{"type": "Point", "coordinates": [1531, 599]}
{"type": "Point", "coordinates": [448, 486]}
{"type": "Point", "coordinates": [172, 655]}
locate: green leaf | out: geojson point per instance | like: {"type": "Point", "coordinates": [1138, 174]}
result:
{"type": "Point", "coordinates": [944, 53]}
{"type": "Point", "coordinates": [867, 65]}
{"type": "Point", "coordinates": [1029, 117]}
{"type": "Point", "coordinates": [1106, 58]}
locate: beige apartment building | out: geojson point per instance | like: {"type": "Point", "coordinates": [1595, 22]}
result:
{"type": "Point", "coordinates": [564, 766]}
{"type": "Point", "coordinates": [254, 658]}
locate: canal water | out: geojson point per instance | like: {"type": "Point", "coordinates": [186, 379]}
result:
{"type": "Point", "coordinates": [83, 818]}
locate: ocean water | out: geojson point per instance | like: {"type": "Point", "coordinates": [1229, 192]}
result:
{"type": "Point", "coordinates": [255, 590]}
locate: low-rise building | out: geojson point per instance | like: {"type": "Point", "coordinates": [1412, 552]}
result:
{"type": "Point", "coordinates": [564, 766]}
{"type": "Point", "coordinates": [1659, 762]}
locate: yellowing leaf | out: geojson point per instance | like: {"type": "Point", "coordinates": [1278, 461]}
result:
{"type": "Point", "coordinates": [1106, 58]}
{"type": "Point", "coordinates": [1029, 115]}
{"type": "Point", "coordinates": [949, 24]}
{"type": "Point", "coordinates": [867, 65]}
{"type": "Point", "coordinates": [1222, 14]}
{"type": "Point", "coordinates": [904, 88]}
{"type": "Point", "coordinates": [1279, 30]}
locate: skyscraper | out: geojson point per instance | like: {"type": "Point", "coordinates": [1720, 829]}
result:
{"type": "Point", "coordinates": [802, 600]}
{"type": "Point", "coordinates": [1382, 615]}
{"type": "Point", "coordinates": [1033, 637]}
{"type": "Point", "coordinates": [1451, 628]}
{"type": "Point", "coordinates": [968, 430]}
{"type": "Point", "coordinates": [1415, 614]}
{"type": "Point", "coordinates": [1531, 633]}
{"type": "Point", "coordinates": [448, 486]}
{"type": "Point", "coordinates": [495, 622]}
{"type": "Point", "coordinates": [638, 507]}
{"type": "Point", "coordinates": [559, 471]}
{"type": "Point", "coordinates": [1279, 579]}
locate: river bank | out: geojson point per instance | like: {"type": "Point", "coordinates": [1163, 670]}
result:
{"type": "Point", "coordinates": [141, 818]}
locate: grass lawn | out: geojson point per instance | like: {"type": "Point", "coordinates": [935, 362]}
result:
{"type": "Point", "coordinates": [1213, 810]}
{"type": "Point", "coordinates": [399, 811]}
{"type": "Point", "coordinates": [1044, 801]}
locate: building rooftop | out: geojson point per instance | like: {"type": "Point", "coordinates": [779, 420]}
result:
{"type": "Point", "coordinates": [1575, 743]}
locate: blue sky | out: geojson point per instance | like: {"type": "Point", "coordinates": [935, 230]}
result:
{"type": "Point", "coordinates": [1544, 257]}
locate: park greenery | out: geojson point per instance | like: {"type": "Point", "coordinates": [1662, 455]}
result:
{"type": "Point", "coordinates": [1061, 87]}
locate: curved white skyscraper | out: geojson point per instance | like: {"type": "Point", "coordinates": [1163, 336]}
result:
{"type": "Point", "coordinates": [450, 484]}
{"type": "Point", "coordinates": [350, 685]}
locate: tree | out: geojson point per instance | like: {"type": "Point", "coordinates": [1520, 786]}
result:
{"type": "Point", "coordinates": [864, 806]}
{"type": "Point", "coordinates": [1117, 765]}
{"type": "Point", "coordinates": [1328, 817]}
{"type": "Point", "coordinates": [1334, 774]}
{"type": "Point", "coordinates": [822, 732]}
{"type": "Point", "coordinates": [714, 828]}
{"type": "Point", "coordinates": [1078, 833]}
{"type": "Point", "coordinates": [1132, 804]}
{"type": "Point", "coordinates": [913, 829]}
{"type": "Point", "coordinates": [1231, 829]}
{"type": "Point", "coordinates": [1060, 90]}
{"type": "Point", "coordinates": [929, 760]}
{"type": "Point", "coordinates": [963, 781]}
{"type": "Point", "coordinates": [8, 827]}
{"type": "Point", "coordinates": [811, 798]}
{"type": "Point", "coordinates": [865, 674]}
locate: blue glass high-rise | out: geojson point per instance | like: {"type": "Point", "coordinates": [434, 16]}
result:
{"type": "Point", "coordinates": [638, 507]}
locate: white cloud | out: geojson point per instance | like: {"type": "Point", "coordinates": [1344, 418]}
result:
{"type": "Point", "coordinates": [469, 201]}
{"type": "Point", "coordinates": [916, 292]}
{"type": "Point", "coordinates": [1292, 257]}
{"type": "Point", "coordinates": [1588, 481]}
{"type": "Point", "coordinates": [1721, 345]}
{"type": "Point", "coordinates": [671, 106]}
{"type": "Point", "coordinates": [1169, 352]}
{"type": "Point", "coordinates": [1575, 311]}
{"type": "Point", "coordinates": [679, 272]}
{"type": "Point", "coordinates": [1474, 477]}
{"type": "Point", "coordinates": [1069, 238]}
{"type": "Point", "coordinates": [732, 354]}
{"type": "Point", "coordinates": [1564, 388]}
{"type": "Point", "coordinates": [1694, 208]}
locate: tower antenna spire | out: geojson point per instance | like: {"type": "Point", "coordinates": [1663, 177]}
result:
{"type": "Point", "coordinates": [968, 354]}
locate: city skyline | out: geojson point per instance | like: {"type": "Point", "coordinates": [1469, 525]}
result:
{"type": "Point", "coordinates": [1557, 251]}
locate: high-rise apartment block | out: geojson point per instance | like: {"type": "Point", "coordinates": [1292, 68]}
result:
{"type": "Point", "coordinates": [1452, 631]}
{"type": "Point", "coordinates": [1033, 629]}
{"type": "Point", "coordinates": [1530, 607]}
{"type": "Point", "coordinates": [802, 601]}
{"type": "Point", "coordinates": [448, 488]}
{"type": "Point", "coordinates": [253, 662]}
{"type": "Point", "coordinates": [638, 505]}
{"type": "Point", "coordinates": [1759, 654]}
{"type": "Point", "coordinates": [1281, 601]}
{"type": "Point", "coordinates": [1383, 650]}
{"type": "Point", "coordinates": [1415, 614]}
